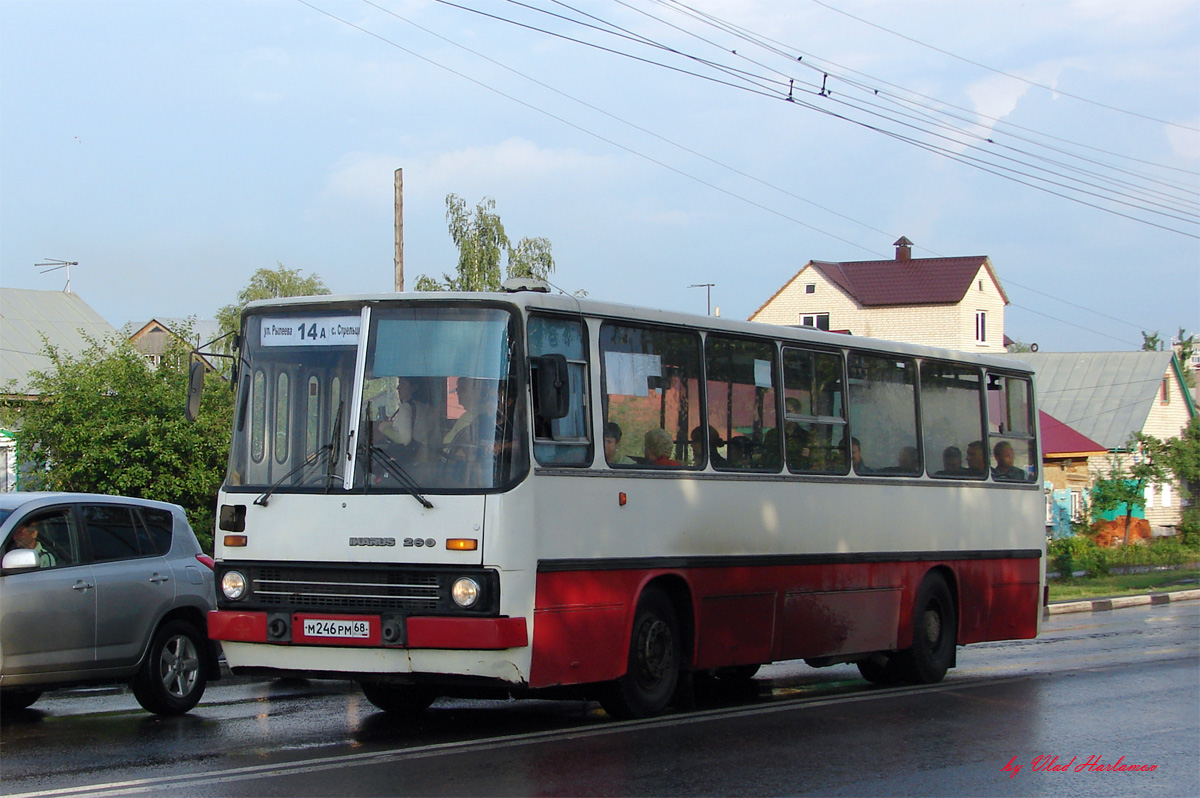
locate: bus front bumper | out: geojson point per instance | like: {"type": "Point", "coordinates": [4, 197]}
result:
{"type": "Point", "coordinates": [479, 634]}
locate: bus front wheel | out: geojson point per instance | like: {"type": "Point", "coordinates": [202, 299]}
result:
{"type": "Point", "coordinates": [935, 632]}
{"type": "Point", "coordinates": [399, 699]}
{"type": "Point", "coordinates": [655, 658]}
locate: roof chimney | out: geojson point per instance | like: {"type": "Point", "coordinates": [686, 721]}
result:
{"type": "Point", "coordinates": [903, 249]}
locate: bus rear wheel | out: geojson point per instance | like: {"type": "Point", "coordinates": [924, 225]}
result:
{"type": "Point", "coordinates": [935, 634]}
{"type": "Point", "coordinates": [399, 699]}
{"type": "Point", "coordinates": [655, 659]}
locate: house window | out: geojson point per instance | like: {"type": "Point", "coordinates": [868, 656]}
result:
{"type": "Point", "coordinates": [980, 326]}
{"type": "Point", "coordinates": [1165, 394]}
{"type": "Point", "coordinates": [1166, 494]}
{"type": "Point", "coordinates": [1148, 494]}
{"type": "Point", "coordinates": [1076, 505]}
{"type": "Point", "coordinates": [818, 320]}
{"type": "Point", "coordinates": [811, 288]}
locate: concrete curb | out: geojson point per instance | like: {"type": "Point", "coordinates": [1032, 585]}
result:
{"type": "Point", "coordinates": [1119, 602]}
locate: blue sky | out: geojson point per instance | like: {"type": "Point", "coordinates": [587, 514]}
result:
{"type": "Point", "coordinates": [173, 148]}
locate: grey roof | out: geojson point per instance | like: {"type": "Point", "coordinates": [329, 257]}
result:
{"type": "Point", "coordinates": [1103, 395]}
{"type": "Point", "coordinates": [26, 316]}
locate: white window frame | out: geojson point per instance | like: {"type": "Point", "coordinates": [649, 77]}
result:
{"type": "Point", "coordinates": [981, 326]}
{"type": "Point", "coordinates": [813, 320]}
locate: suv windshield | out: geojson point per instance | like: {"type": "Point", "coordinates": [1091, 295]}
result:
{"type": "Point", "coordinates": [437, 408]}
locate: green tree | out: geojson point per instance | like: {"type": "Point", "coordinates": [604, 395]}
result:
{"type": "Point", "coordinates": [268, 284]}
{"type": "Point", "coordinates": [1144, 463]}
{"type": "Point", "coordinates": [1151, 342]}
{"type": "Point", "coordinates": [1019, 346]}
{"type": "Point", "coordinates": [1183, 458]}
{"type": "Point", "coordinates": [109, 422]}
{"type": "Point", "coordinates": [482, 243]}
{"type": "Point", "coordinates": [1184, 351]}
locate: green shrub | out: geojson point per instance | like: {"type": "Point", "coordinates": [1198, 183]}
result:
{"type": "Point", "coordinates": [1189, 528]}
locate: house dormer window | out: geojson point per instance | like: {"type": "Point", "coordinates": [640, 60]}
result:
{"type": "Point", "coordinates": [818, 320]}
{"type": "Point", "coordinates": [981, 326]}
{"type": "Point", "coordinates": [811, 288]}
{"type": "Point", "coordinates": [1165, 394]}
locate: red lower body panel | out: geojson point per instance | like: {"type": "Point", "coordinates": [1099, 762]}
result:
{"type": "Point", "coordinates": [756, 614]}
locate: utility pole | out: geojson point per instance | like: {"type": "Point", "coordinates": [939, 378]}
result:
{"type": "Point", "coordinates": [708, 288]}
{"type": "Point", "coordinates": [56, 264]}
{"type": "Point", "coordinates": [399, 230]}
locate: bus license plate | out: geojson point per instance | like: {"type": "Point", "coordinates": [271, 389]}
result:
{"type": "Point", "coordinates": [328, 629]}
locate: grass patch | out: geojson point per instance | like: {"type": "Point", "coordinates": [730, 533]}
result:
{"type": "Point", "coordinates": [1124, 584]}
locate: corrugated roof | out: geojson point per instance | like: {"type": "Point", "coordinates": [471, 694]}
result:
{"type": "Point", "coordinates": [1103, 395]}
{"type": "Point", "coordinates": [920, 281]}
{"type": "Point", "coordinates": [64, 320]}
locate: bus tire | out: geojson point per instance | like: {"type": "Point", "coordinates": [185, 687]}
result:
{"type": "Point", "coordinates": [887, 673]}
{"type": "Point", "coordinates": [399, 699]}
{"type": "Point", "coordinates": [655, 660]}
{"type": "Point", "coordinates": [935, 633]}
{"type": "Point", "coordinates": [175, 672]}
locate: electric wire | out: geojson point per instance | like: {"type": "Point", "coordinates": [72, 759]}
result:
{"type": "Point", "coordinates": [1066, 183]}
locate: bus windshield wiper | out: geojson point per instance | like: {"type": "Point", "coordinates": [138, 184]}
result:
{"type": "Point", "coordinates": [376, 454]}
{"type": "Point", "coordinates": [333, 447]}
{"type": "Point", "coordinates": [324, 451]}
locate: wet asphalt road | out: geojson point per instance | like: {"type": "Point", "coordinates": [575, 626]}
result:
{"type": "Point", "coordinates": [1113, 684]}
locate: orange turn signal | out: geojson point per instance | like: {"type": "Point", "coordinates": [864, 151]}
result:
{"type": "Point", "coordinates": [235, 540]}
{"type": "Point", "coordinates": [621, 499]}
{"type": "Point", "coordinates": [461, 544]}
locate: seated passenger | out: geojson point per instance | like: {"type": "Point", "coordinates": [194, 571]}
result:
{"type": "Point", "coordinates": [612, 439]}
{"type": "Point", "coordinates": [412, 426]}
{"type": "Point", "coordinates": [1004, 463]}
{"type": "Point", "coordinates": [658, 445]}
{"type": "Point", "coordinates": [976, 459]}
{"type": "Point", "coordinates": [952, 463]}
{"type": "Point", "coordinates": [714, 441]}
{"type": "Point", "coordinates": [856, 458]}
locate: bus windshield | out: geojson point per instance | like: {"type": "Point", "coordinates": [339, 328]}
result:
{"type": "Point", "coordinates": [420, 399]}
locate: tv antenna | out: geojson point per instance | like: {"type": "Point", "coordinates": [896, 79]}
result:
{"type": "Point", "coordinates": [55, 264]}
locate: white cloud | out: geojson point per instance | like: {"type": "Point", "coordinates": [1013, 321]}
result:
{"type": "Point", "coordinates": [511, 161]}
{"type": "Point", "coordinates": [1185, 143]}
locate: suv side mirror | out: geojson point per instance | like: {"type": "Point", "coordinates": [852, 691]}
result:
{"type": "Point", "coordinates": [20, 560]}
{"type": "Point", "coordinates": [553, 386]}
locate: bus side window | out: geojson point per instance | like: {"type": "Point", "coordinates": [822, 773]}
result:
{"type": "Point", "coordinates": [952, 420]}
{"type": "Point", "coordinates": [740, 377]}
{"type": "Point", "coordinates": [651, 395]}
{"type": "Point", "coordinates": [1012, 446]}
{"type": "Point", "coordinates": [814, 413]}
{"type": "Point", "coordinates": [561, 441]}
{"type": "Point", "coordinates": [883, 414]}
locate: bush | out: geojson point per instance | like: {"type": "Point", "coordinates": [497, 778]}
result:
{"type": "Point", "coordinates": [1078, 553]}
{"type": "Point", "coordinates": [1189, 528]}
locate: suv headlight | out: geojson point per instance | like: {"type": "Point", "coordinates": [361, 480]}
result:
{"type": "Point", "coordinates": [233, 585]}
{"type": "Point", "coordinates": [465, 591]}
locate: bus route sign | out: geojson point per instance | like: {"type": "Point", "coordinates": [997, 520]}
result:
{"type": "Point", "coordinates": [309, 330]}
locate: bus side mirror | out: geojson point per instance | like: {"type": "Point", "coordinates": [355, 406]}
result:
{"type": "Point", "coordinates": [553, 386]}
{"type": "Point", "coordinates": [195, 388]}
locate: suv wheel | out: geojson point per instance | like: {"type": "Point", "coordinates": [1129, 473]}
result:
{"type": "Point", "coordinates": [174, 674]}
{"type": "Point", "coordinates": [18, 698]}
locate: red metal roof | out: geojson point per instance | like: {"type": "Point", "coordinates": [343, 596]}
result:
{"type": "Point", "coordinates": [920, 281]}
{"type": "Point", "coordinates": [1059, 440]}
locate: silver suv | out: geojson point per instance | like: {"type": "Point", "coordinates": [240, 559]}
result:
{"type": "Point", "coordinates": [98, 589]}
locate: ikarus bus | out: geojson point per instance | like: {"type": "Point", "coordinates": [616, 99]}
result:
{"type": "Point", "coordinates": [531, 494]}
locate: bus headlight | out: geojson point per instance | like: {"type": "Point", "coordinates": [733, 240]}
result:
{"type": "Point", "coordinates": [233, 585]}
{"type": "Point", "coordinates": [465, 592]}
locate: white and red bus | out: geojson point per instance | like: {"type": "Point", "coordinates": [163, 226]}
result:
{"type": "Point", "coordinates": [517, 493]}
